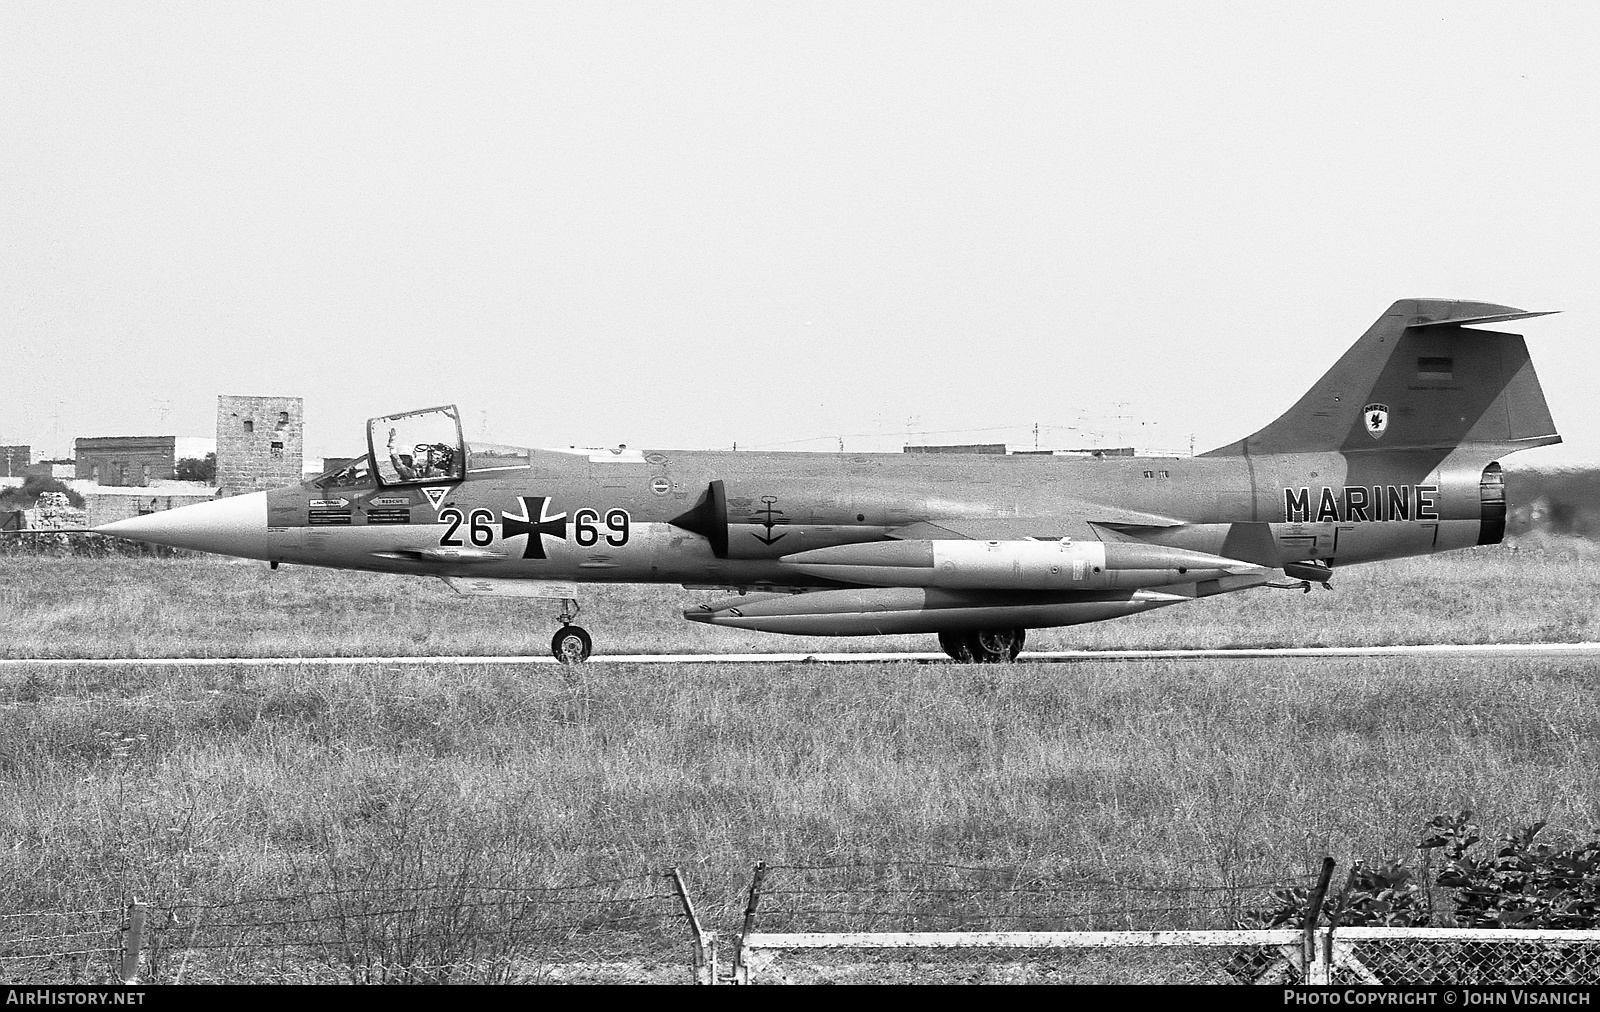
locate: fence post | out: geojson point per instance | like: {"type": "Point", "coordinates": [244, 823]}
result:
{"type": "Point", "coordinates": [741, 969]}
{"type": "Point", "coordinates": [133, 945]}
{"type": "Point", "coordinates": [1335, 915]}
{"type": "Point", "coordinates": [705, 952]}
{"type": "Point", "coordinates": [1317, 970]}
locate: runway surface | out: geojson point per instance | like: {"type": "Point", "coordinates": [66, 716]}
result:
{"type": "Point", "coordinates": [1040, 657]}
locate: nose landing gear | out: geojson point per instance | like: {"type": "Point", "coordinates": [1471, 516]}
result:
{"type": "Point", "coordinates": [570, 644]}
{"type": "Point", "coordinates": [988, 646]}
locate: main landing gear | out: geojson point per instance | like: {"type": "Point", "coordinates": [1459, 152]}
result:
{"type": "Point", "coordinates": [988, 646]}
{"type": "Point", "coordinates": [570, 644]}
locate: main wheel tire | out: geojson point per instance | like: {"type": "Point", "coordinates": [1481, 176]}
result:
{"type": "Point", "coordinates": [571, 645]}
{"type": "Point", "coordinates": [998, 646]}
{"type": "Point", "coordinates": [960, 646]}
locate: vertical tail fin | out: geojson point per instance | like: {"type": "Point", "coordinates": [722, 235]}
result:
{"type": "Point", "coordinates": [1418, 379]}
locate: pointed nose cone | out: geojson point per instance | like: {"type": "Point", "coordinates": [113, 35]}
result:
{"type": "Point", "coordinates": [236, 525]}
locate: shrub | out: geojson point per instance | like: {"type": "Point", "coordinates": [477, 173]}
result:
{"type": "Point", "coordinates": [196, 468]}
{"type": "Point", "coordinates": [24, 496]}
{"type": "Point", "coordinates": [1524, 884]}
{"type": "Point", "coordinates": [1384, 896]}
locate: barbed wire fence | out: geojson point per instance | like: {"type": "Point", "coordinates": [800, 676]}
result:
{"type": "Point", "coordinates": [455, 932]}
{"type": "Point", "coordinates": [61, 946]}
{"type": "Point", "coordinates": [933, 896]}
{"type": "Point", "coordinates": [880, 922]}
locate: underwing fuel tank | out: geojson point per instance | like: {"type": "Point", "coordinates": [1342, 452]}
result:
{"type": "Point", "coordinates": [867, 611]}
{"type": "Point", "coordinates": [1017, 565]}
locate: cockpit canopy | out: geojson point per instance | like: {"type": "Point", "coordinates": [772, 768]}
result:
{"type": "Point", "coordinates": [417, 446]}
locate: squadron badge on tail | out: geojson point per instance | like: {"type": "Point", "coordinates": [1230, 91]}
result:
{"type": "Point", "coordinates": [1377, 419]}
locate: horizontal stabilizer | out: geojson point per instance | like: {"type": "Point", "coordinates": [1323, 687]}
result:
{"type": "Point", "coordinates": [1465, 321]}
{"type": "Point", "coordinates": [1075, 520]}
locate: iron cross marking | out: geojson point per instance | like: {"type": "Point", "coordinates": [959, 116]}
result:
{"type": "Point", "coordinates": [769, 523]}
{"type": "Point", "coordinates": [534, 524]}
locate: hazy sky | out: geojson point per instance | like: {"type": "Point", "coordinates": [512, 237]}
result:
{"type": "Point", "coordinates": [689, 224]}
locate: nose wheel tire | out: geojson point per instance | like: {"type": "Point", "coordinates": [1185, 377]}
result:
{"type": "Point", "coordinates": [571, 645]}
{"type": "Point", "coordinates": [990, 646]}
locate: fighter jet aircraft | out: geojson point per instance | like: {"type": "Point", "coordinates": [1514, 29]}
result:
{"type": "Point", "coordinates": [1392, 453]}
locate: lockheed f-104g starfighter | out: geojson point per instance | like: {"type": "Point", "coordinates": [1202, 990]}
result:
{"type": "Point", "coordinates": [1392, 453]}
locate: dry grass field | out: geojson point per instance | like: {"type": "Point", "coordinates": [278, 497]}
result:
{"type": "Point", "coordinates": [1540, 591]}
{"type": "Point", "coordinates": [202, 785]}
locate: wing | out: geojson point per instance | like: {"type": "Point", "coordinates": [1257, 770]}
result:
{"type": "Point", "coordinates": [1079, 520]}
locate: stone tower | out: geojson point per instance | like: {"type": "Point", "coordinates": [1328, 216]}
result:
{"type": "Point", "coordinates": [260, 443]}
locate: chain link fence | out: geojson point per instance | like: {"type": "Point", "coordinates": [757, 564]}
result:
{"type": "Point", "coordinates": [915, 922]}
{"type": "Point", "coordinates": [897, 922]}
{"type": "Point", "coordinates": [931, 896]}
{"type": "Point", "coordinates": [949, 923]}
{"type": "Point", "coordinates": [1119, 957]}
{"type": "Point", "coordinates": [1464, 956]}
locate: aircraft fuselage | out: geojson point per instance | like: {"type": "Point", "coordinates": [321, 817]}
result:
{"type": "Point", "coordinates": [609, 517]}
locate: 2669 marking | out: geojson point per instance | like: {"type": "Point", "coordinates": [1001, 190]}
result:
{"type": "Point", "coordinates": [481, 523]}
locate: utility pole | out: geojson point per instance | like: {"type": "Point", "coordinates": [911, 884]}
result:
{"type": "Point", "coordinates": [1121, 418]}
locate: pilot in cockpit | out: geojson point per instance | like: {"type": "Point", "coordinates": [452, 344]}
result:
{"type": "Point", "coordinates": [426, 460]}
{"type": "Point", "coordinates": [443, 461]}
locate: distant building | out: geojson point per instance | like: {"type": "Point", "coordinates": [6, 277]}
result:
{"type": "Point", "coordinates": [1104, 451]}
{"type": "Point", "coordinates": [997, 449]}
{"type": "Point", "coordinates": [61, 470]}
{"type": "Point", "coordinates": [1108, 451]}
{"type": "Point", "coordinates": [986, 448]}
{"type": "Point", "coordinates": [14, 459]}
{"type": "Point", "coordinates": [102, 505]}
{"type": "Point", "coordinates": [260, 443]}
{"type": "Point", "coordinates": [124, 461]}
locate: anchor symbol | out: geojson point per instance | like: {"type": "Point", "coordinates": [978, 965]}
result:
{"type": "Point", "coordinates": [769, 523]}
